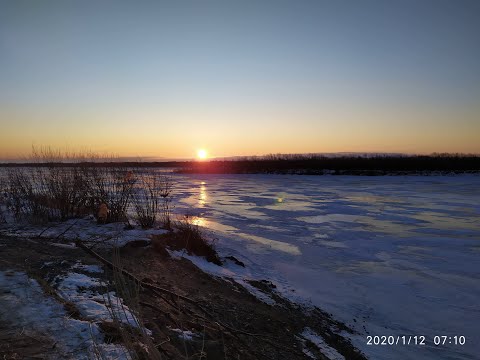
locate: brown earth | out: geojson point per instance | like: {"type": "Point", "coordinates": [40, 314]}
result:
{"type": "Point", "coordinates": [230, 322]}
{"type": "Point", "coordinates": [23, 344]}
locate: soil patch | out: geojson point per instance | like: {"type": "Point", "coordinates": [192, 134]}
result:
{"type": "Point", "coordinates": [220, 320]}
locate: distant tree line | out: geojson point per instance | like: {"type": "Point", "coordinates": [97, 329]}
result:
{"type": "Point", "coordinates": [318, 164]}
{"type": "Point", "coordinates": [340, 165]}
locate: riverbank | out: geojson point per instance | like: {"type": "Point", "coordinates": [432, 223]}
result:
{"type": "Point", "coordinates": [220, 319]}
{"type": "Point", "coordinates": [384, 255]}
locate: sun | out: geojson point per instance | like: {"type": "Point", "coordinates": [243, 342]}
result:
{"type": "Point", "coordinates": [202, 154]}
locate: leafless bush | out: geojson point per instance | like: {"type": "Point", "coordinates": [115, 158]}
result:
{"type": "Point", "coordinates": [26, 199]}
{"type": "Point", "coordinates": [67, 191]}
{"type": "Point", "coordinates": [3, 199]}
{"type": "Point", "coordinates": [112, 186]}
{"type": "Point", "coordinates": [188, 236]}
{"type": "Point", "coordinates": [67, 185]}
{"type": "Point", "coordinates": [147, 197]}
{"type": "Point", "coordinates": [48, 191]}
{"type": "Point", "coordinates": [165, 187]}
{"type": "Point", "coordinates": [153, 200]}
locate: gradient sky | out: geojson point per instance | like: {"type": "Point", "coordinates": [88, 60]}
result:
{"type": "Point", "coordinates": [162, 79]}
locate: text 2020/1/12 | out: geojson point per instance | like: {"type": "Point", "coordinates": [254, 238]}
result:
{"type": "Point", "coordinates": [415, 340]}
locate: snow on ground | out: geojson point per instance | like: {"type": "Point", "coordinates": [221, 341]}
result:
{"type": "Point", "coordinates": [25, 305]}
{"type": "Point", "coordinates": [324, 348]}
{"type": "Point", "coordinates": [77, 288]}
{"type": "Point", "coordinates": [85, 229]}
{"type": "Point", "coordinates": [88, 268]}
{"type": "Point", "coordinates": [393, 255]}
{"type": "Point", "coordinates": [230, 270]}
{"type": "Point", "coordinates": [185, 334]}
{"type": "Point", "coordinates": [91, 298]}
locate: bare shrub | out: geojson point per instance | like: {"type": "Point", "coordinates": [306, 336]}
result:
{"type": "Point", "coordinates": [153, 200]}
{"type": "Point", "coordinates": [3, 200]}
{"type": "Point", "coordinates": [112, 186]}
{"type": "Point", "coordinates": [147, 199]}
{"type": "Point", "coordinates": [188, 236]}
{"type": "Point", "coordinates": [27, 199]}
{"type": "Point", "coordinates": [65, 185]}
{"type": "Point", "coordinates": [66, 190]}
{"type": "Point", "coordinates": [166, 186]}
{"type": "Point", "coordinates": [48, 191]}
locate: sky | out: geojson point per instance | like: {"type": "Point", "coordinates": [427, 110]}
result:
{"type": "Point", "coordinates": [164, 79]}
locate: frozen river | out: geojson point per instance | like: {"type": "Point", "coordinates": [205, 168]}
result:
{"type": "Point", "coordinates": [386, 255]}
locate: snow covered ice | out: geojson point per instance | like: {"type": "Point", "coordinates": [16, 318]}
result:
{"type": "Point", "coordinates": [388, 255]}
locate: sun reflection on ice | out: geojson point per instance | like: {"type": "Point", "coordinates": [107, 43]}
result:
{"type": "Point", "coordinates": [202, 198]}
{"type": "Point", "coordinates": [198, 221]}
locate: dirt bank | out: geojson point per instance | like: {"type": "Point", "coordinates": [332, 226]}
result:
{"type": "Point", "coordinates": [195, 316]}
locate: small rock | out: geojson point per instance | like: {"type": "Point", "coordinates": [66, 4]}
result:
{"type": "Point", "coordinates": [235, 260]}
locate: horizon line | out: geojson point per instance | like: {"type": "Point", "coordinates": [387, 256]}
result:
{"type": "Point", "coordinates": [159, 159]}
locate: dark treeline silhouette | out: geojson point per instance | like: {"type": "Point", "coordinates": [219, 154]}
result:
{"type": "Point", "coordinates": [100, 164]}
{"type": "Point", "coordinates": [338, 164]}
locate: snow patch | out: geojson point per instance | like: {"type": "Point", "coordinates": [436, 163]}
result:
{"type": "Point", "coordinates": [88, 268]}
{"type": "Point", "coordinates": [25, 305]}
{"type": "Point", "coordinates": [185, 334]}
{"type": "Point", "coordinates": [227, 270]}
{"type": "Point", "coordinates": [80, 289]}
{"type": "Point", "coordinates": [85, 229]}
{"type": "Point", "coordinates": [324, 348]}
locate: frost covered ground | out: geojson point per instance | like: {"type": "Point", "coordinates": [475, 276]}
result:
{"type": "Point", "coordinates": [386, 255]}
{"type": "Point", "coordinates": [25, 306]}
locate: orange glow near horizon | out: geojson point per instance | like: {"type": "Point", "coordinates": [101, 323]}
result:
{"type": "Point", "coordinates": [297, 130]}
{"type": "Point", "coordinates": [158, 89]}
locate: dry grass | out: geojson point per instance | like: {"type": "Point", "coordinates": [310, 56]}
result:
{"type": "Point", "coordinates": [127, 326]}
{"type": "Point", "coordinates": [188, 237]}
{"type": "Point", "coordinates": [50, 191]}
{"type": "Point", "coordinates": [3, 199]}
{"type": "Point", "coordinates": [152, 200]}
{"type": "Point", "coordinates": [112, 186]}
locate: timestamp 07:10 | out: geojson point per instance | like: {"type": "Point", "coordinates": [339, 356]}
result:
{"type": "Point", "coordinates": [418, 340]}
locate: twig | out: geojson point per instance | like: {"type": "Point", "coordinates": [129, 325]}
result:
{"type": "Point", "coordinates": [129, 275]}
{"type": "Point", "coordinates": [43, 231]}
{"type": "Point", "coordinates": [63, 233]}
{"type": "Point", "coordinates": [227, 329]}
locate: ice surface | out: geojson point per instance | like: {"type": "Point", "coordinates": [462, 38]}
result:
{"type": "Point", "coordinates": [386, 255]}
{"type": "Point", "coordinates": [392, 255]}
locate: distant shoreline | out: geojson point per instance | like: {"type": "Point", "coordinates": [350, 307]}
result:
{"type": "Point", "coordinates": [443, 164]}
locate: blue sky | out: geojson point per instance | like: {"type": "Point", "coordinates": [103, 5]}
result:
{"type": "Point", "coordinates": [160, 78]}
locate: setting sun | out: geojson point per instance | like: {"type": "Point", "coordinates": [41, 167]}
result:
{"type": "Point", "coordinates": [202, 154]}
